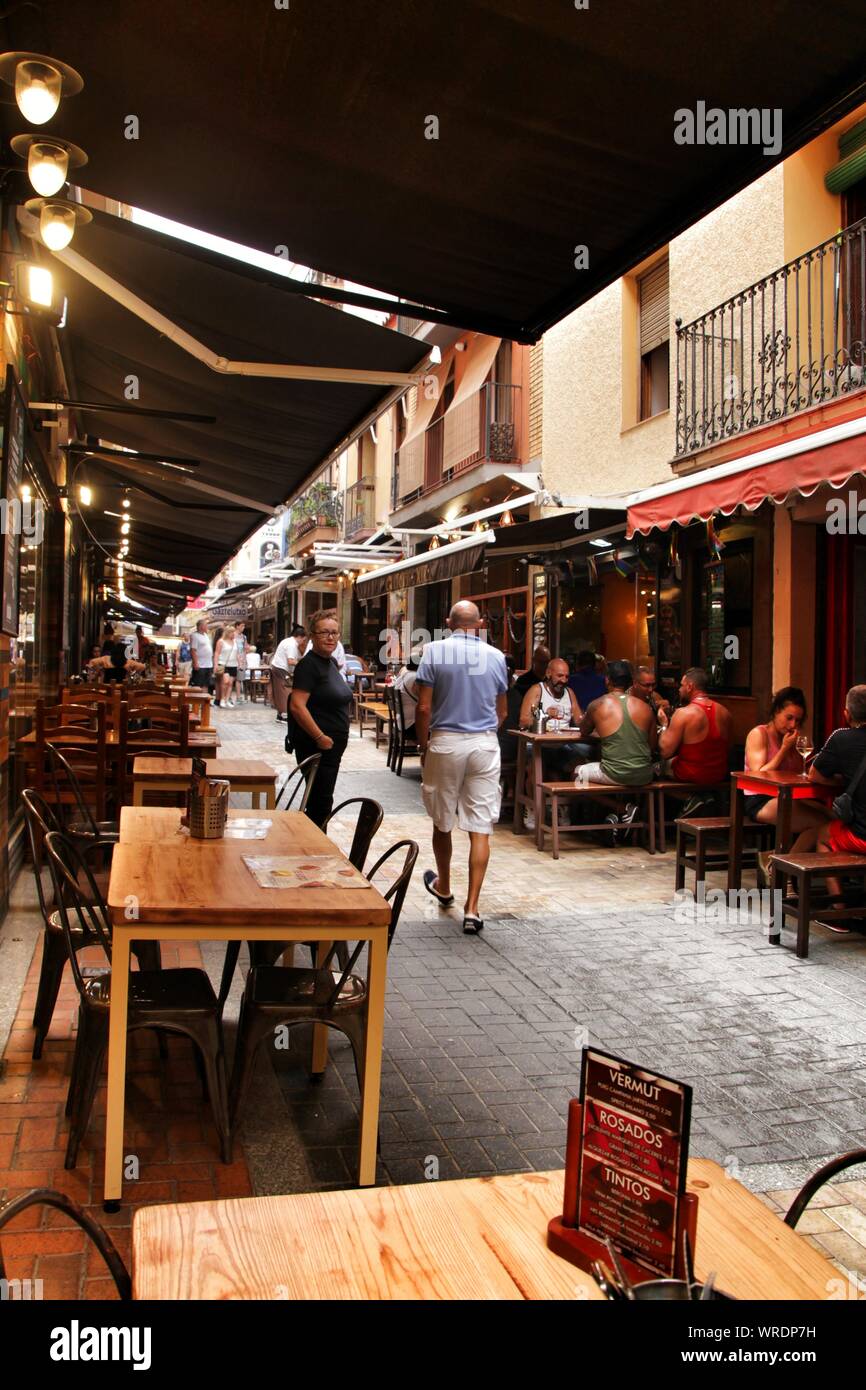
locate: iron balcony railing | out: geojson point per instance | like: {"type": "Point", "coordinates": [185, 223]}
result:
{"type": "Point", "coordinates": [793, 340]}
{"type": "Point", "coordinates": [483, 428]}
{"type": "Point", "coordinates": [359, 508]}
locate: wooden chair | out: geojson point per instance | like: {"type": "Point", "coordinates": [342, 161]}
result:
{"type": "Point", "coordinates": [556, 794]}
{"type": "Point", "coordinates": [702, 845]}
{"type": "Point", "coordinates": [81, 726]}
{"type": "Point", "coordinates": [175, 1001]}
{"type": "Point", "coordinates": [279, 995]}
{"type": "Point", "coordinates": [804, 869]}
{"type": "Point", "coordinates": [169, 739]}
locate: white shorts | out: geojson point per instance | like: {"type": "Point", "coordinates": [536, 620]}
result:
{"type": "Point", "coordinates": [461, 781]}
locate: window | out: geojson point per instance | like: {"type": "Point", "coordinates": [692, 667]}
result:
{"type": "Point", "coordinates": [724, 618]}
{"type": "Point", "coordinates": [654, 336]}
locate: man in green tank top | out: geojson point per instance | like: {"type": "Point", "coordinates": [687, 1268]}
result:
{"type": "Point", "coordinates": [626, 727]}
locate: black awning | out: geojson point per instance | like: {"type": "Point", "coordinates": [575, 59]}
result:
{"type": "Point", "coordinates": [429, 568]}
{"type": "Point", "coordinates": [269, 434]}
{"type": "Point", "coordinates": [306, 127]}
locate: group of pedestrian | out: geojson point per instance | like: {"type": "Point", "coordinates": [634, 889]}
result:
{"type": "Point", "coordinates": [219, 663]}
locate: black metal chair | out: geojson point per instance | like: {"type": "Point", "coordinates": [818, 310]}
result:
{"type": "Point", "coordinates": [175, 1001]}
{"type": "Point", "coordinates": [45, 1196]}
{"type": "Point", "coordinates": [302, 776]}
{"type": "Point", "coordinates": [280, 995]}
{"type": "Point", "coordinates": [69, 793]}
{"type": "Point", "coordinates": [40, 820]}
{"type": "Point", "coordinates": [817, 1181]}
{"type": "Point", "coordinates": [370, 816]}
{"type": "Point", "coordinates": [401, 746]}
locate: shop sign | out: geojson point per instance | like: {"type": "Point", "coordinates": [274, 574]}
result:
{"type": "Point", "coordinates": [229, 612]}
{"type": "Point", "coordinates": [634, 1135]}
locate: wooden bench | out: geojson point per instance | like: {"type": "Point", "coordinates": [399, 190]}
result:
{"type": "Point", "coordinates": [380, 714]}
{"type": "Point", "coordinates": [668, 785]}
{"type": "Point", "coordinates": [803, 869]}
{"type": "Point", "coordinates": [702, 844]}
{"type": "Point", "coordinates": [556, 793]}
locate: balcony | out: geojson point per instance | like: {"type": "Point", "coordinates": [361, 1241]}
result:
{"type": "Point", "coordinates": [359, 509]}
{"type": "Point", "coordinates": [482, 429]}
{"type": "Point", "coordinates": [316, 517]}
{"type": "Point", "coordinates": [794, 340]}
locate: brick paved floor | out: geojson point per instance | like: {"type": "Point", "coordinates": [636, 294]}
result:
{"type": "Point", "coordinates": [483, 1040]}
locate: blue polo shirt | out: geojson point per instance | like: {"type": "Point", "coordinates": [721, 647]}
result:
{"type": "Point", "coordinates": [466, 675]}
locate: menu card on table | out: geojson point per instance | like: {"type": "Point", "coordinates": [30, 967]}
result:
{"type": "Point", "coordinates": [303, 871]}
{"type": "Point", "coordinates": [633, 1154]}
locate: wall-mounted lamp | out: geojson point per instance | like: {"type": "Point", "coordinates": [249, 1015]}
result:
{"type": "Point", "coordinates": [58, 219]}
{"type": "Point", "coordinates": [48, 161]}
{"type": "Point", "coordinates": [39, 83]}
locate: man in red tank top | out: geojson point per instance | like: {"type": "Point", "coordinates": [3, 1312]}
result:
{"type": "Point", "coordinates": [696, 742]}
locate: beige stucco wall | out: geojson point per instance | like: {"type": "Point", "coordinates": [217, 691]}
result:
{"type": "Point", "coordinates": [591, 441]}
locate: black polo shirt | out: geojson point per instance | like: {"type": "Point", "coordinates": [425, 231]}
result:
{"type": "Point", "coordinates": [841, 756]}
{"type": "Point", "coordinates": [330, 701]}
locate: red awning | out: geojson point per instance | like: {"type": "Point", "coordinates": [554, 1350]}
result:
{"type": "Point", "coordinates": [724, 489]}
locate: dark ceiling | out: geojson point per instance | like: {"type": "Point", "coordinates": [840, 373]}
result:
{"type": "Point", "coordinates": [306, 127]}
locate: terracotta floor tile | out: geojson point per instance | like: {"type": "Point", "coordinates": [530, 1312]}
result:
{"type": "Point", "coordinates": [101, 1289]}
{"type": "Point", "coordinates": [44, 1242]}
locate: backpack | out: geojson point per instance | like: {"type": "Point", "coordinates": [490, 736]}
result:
{"type": "Point", "coordinates": [185, 652]}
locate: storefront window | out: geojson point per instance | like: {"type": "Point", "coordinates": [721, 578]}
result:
{"type": "Point", "coordinates": [28, 659]}
{"type": "Point", "coordinates": [724, 618]}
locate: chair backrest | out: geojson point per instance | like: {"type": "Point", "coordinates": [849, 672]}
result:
{"type": "Point", "coordinates": [370, 816]}
{"type": "Point", "coordinates": [40, 820]}
{"type": "Point", "coordinates": [78, 776]}
{"type": "Point", "coordinates": [301, 777]}
{"type": "Point", "coordinates": [395, 894]}
{"type": "Point", "coordinates": [85, 694]}
{"type": "Point", "coordinates": [78, 896]}
{"type": "Point", "coordinates": [68, 717]}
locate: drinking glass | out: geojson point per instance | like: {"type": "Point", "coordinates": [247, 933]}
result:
{"type": "Point", "coordinates": [804, 748]}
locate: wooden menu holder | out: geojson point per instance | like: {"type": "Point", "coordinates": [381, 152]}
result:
{"type": "Point", "coordinates": [582, 1249]}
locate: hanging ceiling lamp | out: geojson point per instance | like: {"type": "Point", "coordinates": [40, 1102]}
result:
{"type": "Point", "coordinates": [506, 519]}
{"type": "Point", "coordinates": [48, 161]}
{"type": "Point", "coordinates": [39, 83]}
{"type": "Point", "coordinates": [58, 219]}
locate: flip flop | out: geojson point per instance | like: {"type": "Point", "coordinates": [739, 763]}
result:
{"type": "Point", "coordinates": [429, 880]}
{"type": "Point", "coordinates": [472, 925]}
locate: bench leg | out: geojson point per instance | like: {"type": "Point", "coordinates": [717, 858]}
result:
{"type": "Point", "coordinates": [680, 872]}
{"type": "Point", "coordinates": [804, 912]}
{"type": "Point", "coordinates": [700, 860]}
{"type": "Point", "coordinates": [554, 823]}
{"type": "Point", "coordinates": [652, 830]}
{"type": "Point", "coordinates": [778, 885]}
{"type": "Point", "coordinates": [660, 817]}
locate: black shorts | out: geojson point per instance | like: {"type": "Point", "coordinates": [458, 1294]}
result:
{"type": "Point", "coordinates": [230, 671]}
{"type": "Point", "coordinates": [201, 678]}
{"type": "Point", "coordinates": [753, 804]}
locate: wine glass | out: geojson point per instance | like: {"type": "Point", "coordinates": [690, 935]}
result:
{"type": "Point", "coordinates": [804, 748]}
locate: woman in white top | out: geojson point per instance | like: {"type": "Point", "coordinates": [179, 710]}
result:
{"type": "Point", "coordinates": [226, 668]}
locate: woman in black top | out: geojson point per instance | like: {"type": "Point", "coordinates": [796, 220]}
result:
{"type": "Point", "coordinates": [319, 711]}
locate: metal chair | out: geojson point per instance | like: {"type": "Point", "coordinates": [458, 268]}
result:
{"type": "Point", "coordinates": [403, 746]}
{"type": "Point", "coordinates": [45, 1196]}
{"type": "Point", "coordinates": [176, 1001]}
{"type": "Point", "coordinates": [304, 775]}
{"type": "Point", "coordinates": [69, 769]}
{"type": "Point", "coordinates": [40, 820]}
{"type": "Point", "coordinates": [370, 817]}
{"type": "Point", "coordinates": [281, 995]}
{"type": "Point", "coordinates": [817, 1180]}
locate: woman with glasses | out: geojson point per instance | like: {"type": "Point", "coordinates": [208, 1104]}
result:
{"type": "Point", "coordinates": [320, 710]}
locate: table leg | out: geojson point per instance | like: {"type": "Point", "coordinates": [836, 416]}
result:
{"type": "Point", "coordinates": [735, 840]}
{"type": "Point", "coordinates": [270, 798]}
{"type": "Point", "coordinates": [517, 825]}
{"type": "Point", "coordinates": [138, 794]}
{"type": "Point", "coordinates": [537, 794]}
{"type": "Point", "coordinates": [116, 1064]}
{"type": "Point", "coordinates": [783, 820]}
{"type": "Point", "coordinates": [376, 975]}
{"type": "Point", "coordinates": [319, 1060]}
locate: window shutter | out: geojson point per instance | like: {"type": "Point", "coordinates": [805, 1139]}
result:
{"type": "Point", "coordinates": [655, 311]}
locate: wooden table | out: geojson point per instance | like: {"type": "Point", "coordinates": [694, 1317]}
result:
{"type": "Point", "coordinates": [534, 745]}
{"type": "Point", "coordinates": [205, 742]}
{"type": "Point", "coordinates": [194, 695]}
{"type": "Point", "coordinates": [174, 774]}
{"type": "Point", "coordinates": [179, 889]}
{"type": "Point", "coordinates": [479, 1238]}
{"type": "Point", "coordinates": [788, 787]}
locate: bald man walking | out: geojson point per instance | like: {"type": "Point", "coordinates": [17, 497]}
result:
{"type": "Point", "coordinates": [462, 685]}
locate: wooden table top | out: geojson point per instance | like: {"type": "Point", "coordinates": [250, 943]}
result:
{"type": "Point", "coordinates": [778, 779]}
{"type": "Point", "coordinates": [477, 1238]}
{"type": "Point", "coordinates": [232, 769]}
{"type": "Point", "coordinates": [192, 882]}
{"type": "Point", "coordinates": [559, 736]}
{"type": "Point", "coordinates": [152, 824]}
{"type": "Point", "coordinates": [201, 738]}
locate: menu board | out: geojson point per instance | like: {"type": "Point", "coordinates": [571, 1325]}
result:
{"type": "Point", "coordinates": [13, 473]}
{"type": "Point", "coordinates": [633, 1155]}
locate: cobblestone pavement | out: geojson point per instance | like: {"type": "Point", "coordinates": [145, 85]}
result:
{"type": "Point", "coordinates": [483, 1035]}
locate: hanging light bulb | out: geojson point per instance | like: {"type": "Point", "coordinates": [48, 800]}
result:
{"type": "Point", "coordinates": [434, 543]}
{"type": "Point", "coordinates": [39, 82]}
{"type": "Point", "coordinates": [125, 503]}
{"type": "Point", "coordinates": [124, 530]}
{"type": "Point", "coordinates": [85, 495]}
{"type": "Point", "coordinates": [58, 218]}
{"type": "Point", "coordinates": [47, 167]}
{"type": "Point", "coordinates": [507, 519]}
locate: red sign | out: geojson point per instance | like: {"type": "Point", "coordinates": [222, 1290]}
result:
{"type": "Point", "coordinates": [633, 1154]}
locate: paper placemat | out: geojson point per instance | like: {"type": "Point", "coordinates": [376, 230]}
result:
{"type": "Point", "coordinates": [303, 871]}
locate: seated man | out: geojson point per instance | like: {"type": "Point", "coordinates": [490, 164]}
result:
{"type": "Point", "coordinates": [404, 685]}
{"type": "Point", "coordinates": [696, 742]}
{"type": "Point", "coordinates": [560, 705]}
{"type": "Point", "coordinates": [842, 763]}
{"type": "Point", "coordinates": [536, 672]}
{"type": "Point", "coordinates": [645, 689]}
{"type": "Point", "coordinates": [627, 730]}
